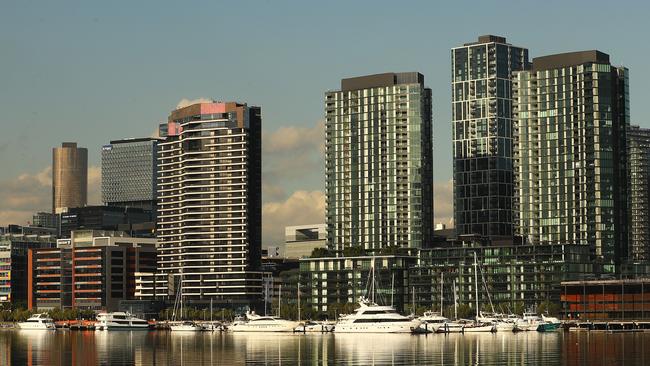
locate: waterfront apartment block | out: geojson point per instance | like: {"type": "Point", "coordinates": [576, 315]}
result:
{"type": "Point", "coordinates": [300, 241]}
{"type": "Point", "coordinates": [209, 202]}
{"type": "Point", "coordinates": [69, 177]}
{"type": "Point", "coordinates": [572, 114]}
{"type": "Point", "coordinates": [335, 281]}
{"type": "Point", "coordinates": [129, 170]}
{"type": "Point", "coordinates": [482, 124]}
{"type": "Point", "coordinates": [378, 155]}
{"type": "Point", "coordinates": [13, 264]}
{"type": "Point", "coordinates": [511, 276]}
{"type": "Point", "coordinates": [91, 270]}
{"type": "Point", "coordinates": [638, 145]}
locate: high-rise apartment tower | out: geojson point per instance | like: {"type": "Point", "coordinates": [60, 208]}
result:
{"type": "Point", "coordinates": [638, 145]}
{"type": "Point", "coordinates": [209, 202]}
{"type": "Point", "coordinates": [379, 162]}
{"type": "Point", "coordinates": [481, 83]}
{"type": "Point", "coordinates": [572, 114]}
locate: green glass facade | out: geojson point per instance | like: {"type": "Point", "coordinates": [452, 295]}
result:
{"type": "Point", "coordinates": [571, 115]}
{"type": "Point", "coordinates": [482, 135]}
{"type": "Point", "coordinates": [379, 181]}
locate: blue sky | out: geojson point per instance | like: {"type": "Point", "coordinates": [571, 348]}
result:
{"type": "Point", "coordinates": [95, 71]}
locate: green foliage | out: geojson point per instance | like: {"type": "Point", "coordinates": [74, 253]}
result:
{"type": "Point", "coordinates": [390, 250]}
{"type": "Point", "coordinates": [465, 311]}
{"type": "Point", "coordinates": [321, 253]}
{"type": "Point", "coordinates": [197, 314]}
{"type": "Point", "coordinates": [549, 308]}
{"type": "Point", "coordinates": [71, 314]}
{"type": "Point", "coordinates": [354, 251]}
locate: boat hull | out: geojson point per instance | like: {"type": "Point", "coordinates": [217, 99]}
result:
{"type": "Point", "coordinates": [264, 328]}
{"type": "Point", "coordinates": [379, 327]}
{"type": "Point", "coordinates": [40, 326]}
{"type": "Point", "coordinates": [185, 328]}
{"type": "Point", "coordinates": [548, 327]}
{"type": "Point", "coordinates": [480, 329]}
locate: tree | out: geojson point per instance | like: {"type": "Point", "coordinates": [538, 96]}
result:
{"type": "Point", "coordinates": [354, 251]}
{"type": "Point", "coordinates": [390, 250]}
{"type": "Point", "coordinates": [321, 253]}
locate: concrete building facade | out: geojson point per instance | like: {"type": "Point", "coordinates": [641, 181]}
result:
{"type": "Point", "coordinates": [209, 202]}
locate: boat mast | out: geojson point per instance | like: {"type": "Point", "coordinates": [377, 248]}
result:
{"type": "Point", "coordinates": [279, 300]}
{"type": "Point", "coordinates": [442, 281]}
{"type": "Point", "coordinates": [476, 284]}
{"type": "Point", "coordinates": [413, 299]}
{"type": "Point", "coordinates": [372, 282]}
{"type": "Point", "coordinates": [455, 301]}
{"type": "Point", "coordinates": [298, 300]}
{"type": "Point", "coordinates": [392, 289]}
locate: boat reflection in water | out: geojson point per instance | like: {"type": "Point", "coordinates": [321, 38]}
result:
{"type": "Point", "coordinates": [225, 348]}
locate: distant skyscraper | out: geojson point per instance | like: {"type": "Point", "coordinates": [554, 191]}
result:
{"type": "Point", "coordinates": [482, 134]}
{"type": "Point", "coordinates": [379, 162]}
{"type": "Point", "coordinates": [209, 202]}
{"type": "Point", "coordinates": [129, 173]}
{"type": "Point", "coordinates": [572, 114]}
{"type": "Point", "coordinates": [69, 177]}
{"type": "Point", "coordinates": [639, 159]}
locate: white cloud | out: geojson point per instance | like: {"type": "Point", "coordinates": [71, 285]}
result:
{"type": "Point", "coordinates": [295, 139]}
{"type": "Point", "coordinates": [301, 208]}
{"type": "Point", "coordinates": [185, 102]}
{"type": "Point", "coordinates": [28, 193]}
{"type": "Point", "coordinates": [443, 202]}
{"type": "Point", "coordinates": [22, 196]}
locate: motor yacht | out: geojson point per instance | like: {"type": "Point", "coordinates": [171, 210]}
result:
{"type": "Point", "coordinates": [120, 320]}
{"type": "Point", "coordinates": [258, 323]}
{"type": "Point", "coordinates": [38, 322]}
{"type": "Point", "coordinates": [373, 318]}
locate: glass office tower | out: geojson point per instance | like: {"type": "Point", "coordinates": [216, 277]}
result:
{"type": "Point", "coordinates": [482, 135]}
{"type": "Point", "coordinates": [129, 173]}
{"type": "Point", "coordinates": [379, 162]}
{"type": "Point", "coordinates": [572, 114]}
{"type": "Point", "coordinates": [638, 140]}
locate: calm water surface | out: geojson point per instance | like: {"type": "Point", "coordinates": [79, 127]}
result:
{"type": "Point", "coordinates": [23, 347]}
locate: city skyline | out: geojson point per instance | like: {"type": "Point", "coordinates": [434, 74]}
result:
{"type": "Point", "coordinates": [291, 196]}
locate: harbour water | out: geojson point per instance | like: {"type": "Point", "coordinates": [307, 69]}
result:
{"type": "Point", "coordinates": [64, 347]}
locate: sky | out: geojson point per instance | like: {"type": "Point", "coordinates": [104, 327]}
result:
{"type": "Point", "coordinates": [92, 72]}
